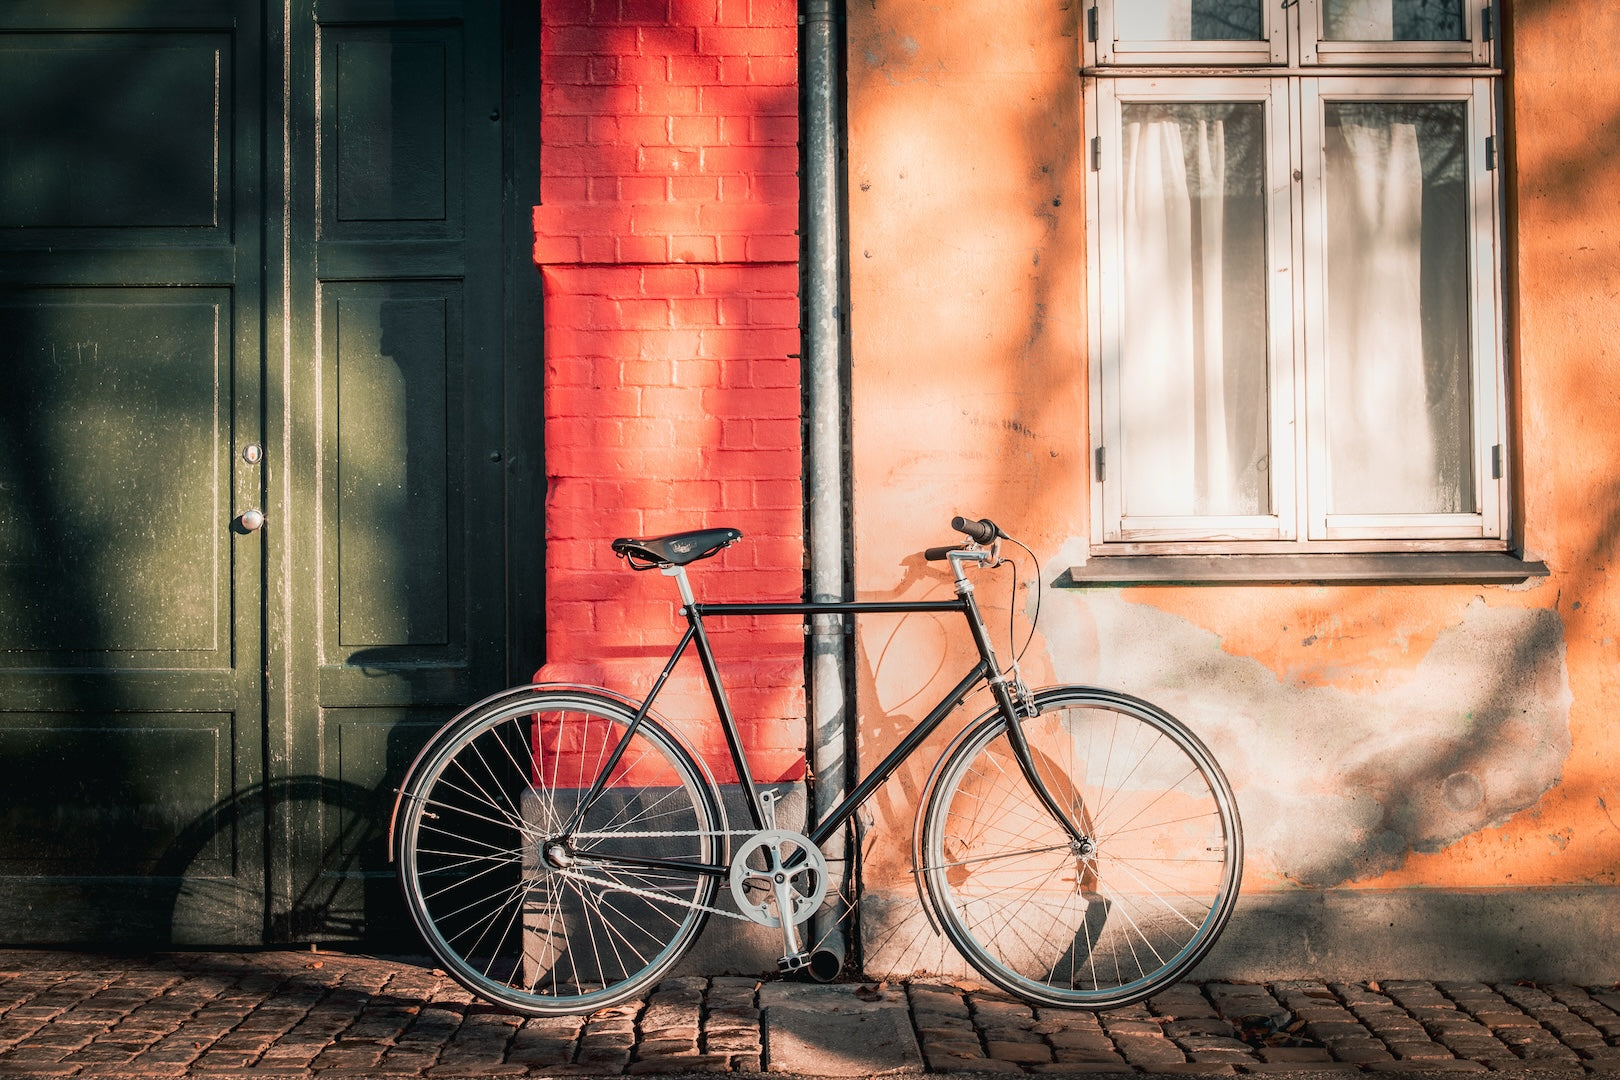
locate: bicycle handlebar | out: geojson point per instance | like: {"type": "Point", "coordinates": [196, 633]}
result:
{"type": "Point", "coordinates": [978, 530]}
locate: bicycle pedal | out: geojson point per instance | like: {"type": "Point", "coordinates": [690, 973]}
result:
{"type": "Point", "coordinates": [797, 962]}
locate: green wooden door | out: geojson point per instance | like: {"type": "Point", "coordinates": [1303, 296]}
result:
{"type": "Point", "coordinates": [264, 260]}
{"type": "Point", "coordinates": [400, 470]}
{"type": "Point", "coordinates": [131, 695]}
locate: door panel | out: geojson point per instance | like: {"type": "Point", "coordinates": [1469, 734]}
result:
{"type": "Point", "coordinates": [130, 684]}
{"type": "Point", "coordinates": [128, 564]}
{"type": "Point", "coordinates": [404, 429]}
{"type": "Point", "coordinates": [395, 537]}
{"type": "Point", "coordinates": [89, 98]}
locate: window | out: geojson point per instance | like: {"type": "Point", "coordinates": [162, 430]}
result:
{"type": "Point", "coordinates": [1294, 288]}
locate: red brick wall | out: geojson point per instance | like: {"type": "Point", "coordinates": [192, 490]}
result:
{"type": "Point", "coordinates": [667, 240]}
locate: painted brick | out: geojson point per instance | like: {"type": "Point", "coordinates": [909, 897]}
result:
{"type": "Point", "coordinates": [749, 101]}
{"type": "Point", "coordinates": [670, 311]}
{"type": "Point", "coordinates": [654, 12]}
{"type": "Point", "coordinates": [740, 41]}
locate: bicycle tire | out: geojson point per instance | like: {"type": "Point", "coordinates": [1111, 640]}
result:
{"type": "Point", "coordinates": [525, 915]}
{"type": "Point", "coordinates": [1032, 910]}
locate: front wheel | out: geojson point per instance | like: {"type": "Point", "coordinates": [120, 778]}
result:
{"type": "Point", "coordinates": [1115, 915]}
{"type": "Point", "coordinates": [528, 900]}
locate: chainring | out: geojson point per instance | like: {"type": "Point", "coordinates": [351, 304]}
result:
{"type": "Point", "coordinates": [776, 866]}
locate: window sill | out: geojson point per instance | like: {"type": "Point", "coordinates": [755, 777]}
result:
{"type": "Point", "coordinates": [1414, 568]}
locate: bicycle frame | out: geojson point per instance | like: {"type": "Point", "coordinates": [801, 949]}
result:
{"type": "Point", "coordinates": [987, 669]}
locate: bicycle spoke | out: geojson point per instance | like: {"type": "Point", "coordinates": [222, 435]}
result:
{"type": "Point", "coordinates": [552, 924]}
{"type": "Point", "coordinates": [1098, 926]}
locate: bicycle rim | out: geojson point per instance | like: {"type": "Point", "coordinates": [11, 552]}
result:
{"type": "Point", "coordinates": [1094, 925]}
{"type": "Point", "coordinates": [526, 912]}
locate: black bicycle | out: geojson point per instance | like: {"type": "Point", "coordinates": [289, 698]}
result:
{"type": "Point", "coordinates": [561, 847]}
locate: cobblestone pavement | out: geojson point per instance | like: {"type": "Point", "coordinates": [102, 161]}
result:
{"type": "Point", "coordinates": [334, 1015]}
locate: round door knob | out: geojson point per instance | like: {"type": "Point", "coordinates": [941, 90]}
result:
{"type": "Point", "coordinates": [252, 520]}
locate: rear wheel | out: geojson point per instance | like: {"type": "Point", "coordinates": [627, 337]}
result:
{"type": "Point", "coordinates": [526, 906]}
{"type": "Point", "coordinates": [1110, 918]}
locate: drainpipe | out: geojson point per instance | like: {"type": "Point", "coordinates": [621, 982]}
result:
{"type": "Point", "coordinates": [824, 402]}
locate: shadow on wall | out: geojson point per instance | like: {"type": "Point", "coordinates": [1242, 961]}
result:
{"type": "Point", "coordinates": [1338, 786]}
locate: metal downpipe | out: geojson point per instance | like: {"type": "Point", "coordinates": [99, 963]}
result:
{"type": "Point", "coordinates": [825, 464]}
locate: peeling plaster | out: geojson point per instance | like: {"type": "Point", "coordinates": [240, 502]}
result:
{"type": "Point", "coordinates": [1334, 785]}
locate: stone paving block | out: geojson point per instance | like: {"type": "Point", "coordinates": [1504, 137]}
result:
{"type": "Point", "coordinates": [1203, 1025]}
{"type": "Point", "coordinates": [1079, 1039]}
{"type": "Point", "coordinates": [1147, 1050]}
{"type": "Point", "coordinates": [1275, 1054]}
{"type": "Point", "coordinates": [1119, 1027]}
{"type": "Point", "coordinates": [1182, 1000]}
{"type": "Point", "coordinates": [206, 1017]}
{"type": "Point", "coordinates": [1304, 1068]}
{"type": "Point", "coordinates": [1080, 1068]}
{"type": "Point", "coordinates": [1435, 1067]}
{"type": "Point", "coordinates": [831, 1031]}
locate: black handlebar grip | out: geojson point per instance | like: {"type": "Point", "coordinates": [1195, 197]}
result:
{"type": "Point", "coordinates": [938, 553]}
{"type": "Point", "coordinates": [980, 531]}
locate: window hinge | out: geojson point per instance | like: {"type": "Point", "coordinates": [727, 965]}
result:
{"type": "Point", "coordinates": [1091, 23]}
{"type": "Point", "coordinates": [1102, 464]}
{"type": "Point", "coordinates": [1096, 153]}
{"type": "Point", "coordinates": [1490, 152]}
{"type": "Point", "coordinates": [1486, 29]}
{"type": "Point", "coordinates": [1496, 462]}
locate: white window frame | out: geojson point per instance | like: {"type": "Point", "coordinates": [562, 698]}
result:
{"type": "Point", "coordinates": [1104, 229]}
{"type": "Point", "coordinates": [1293, 96]}
{"type": "Point", "coordinates": [1104, 46]}
{"type": "Point", "coordinates": [1488, 416]}
{"type": "Point", "coordinates": [1316, 49]}
{"type": "Point", "coordinates": [1291, 34]}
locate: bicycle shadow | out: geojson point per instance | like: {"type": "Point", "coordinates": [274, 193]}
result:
{"type": "Point", "coordinates": [902, 664]}
{"type": "Point", "coordinates": [333, 884]}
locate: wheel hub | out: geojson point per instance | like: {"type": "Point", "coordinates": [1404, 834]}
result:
{"type": "Point", "coordinates": [557, 854]}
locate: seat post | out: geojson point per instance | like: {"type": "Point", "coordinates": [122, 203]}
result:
{"type": "Point", "coordinates": [681, 583]}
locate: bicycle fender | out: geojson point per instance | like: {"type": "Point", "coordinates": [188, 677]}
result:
{"type": "Point", "coordinates": [927, 794]}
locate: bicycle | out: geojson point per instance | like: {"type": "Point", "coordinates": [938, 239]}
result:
{"type": "Point", "coordinates": [561, 847]}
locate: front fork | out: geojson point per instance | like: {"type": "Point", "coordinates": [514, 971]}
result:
{"type": "Point", "coordinates": [1016, 704]}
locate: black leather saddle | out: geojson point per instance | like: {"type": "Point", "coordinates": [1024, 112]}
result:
{"type": "Point", "coordinates": [676, 549]}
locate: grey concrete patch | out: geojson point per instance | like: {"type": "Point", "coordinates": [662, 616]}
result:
{"type": "Point", "coordinates": [733, 946]}
{"type": "Point", "coordinates": [838, 1030]}
{"type": "Point", "coordinates": [1564, 935]}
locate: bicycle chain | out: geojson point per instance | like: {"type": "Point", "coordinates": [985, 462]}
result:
{"type": "Point", "coordinates": [648, 894]}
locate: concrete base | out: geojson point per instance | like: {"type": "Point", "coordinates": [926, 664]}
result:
{"type": "Point", "coordinates": [1545, 935]}
{"type": "Point", "coordinates": [1542, 934]}
{"type": "Point", "coordinates": [731, 946]}
{"type": "Point", "coordinates": [837, 1031]}
{"type": "Point", "coordinates": [728, 946]}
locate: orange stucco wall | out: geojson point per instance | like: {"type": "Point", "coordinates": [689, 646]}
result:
{"type": "Point", "coordinates": [1380, 738]}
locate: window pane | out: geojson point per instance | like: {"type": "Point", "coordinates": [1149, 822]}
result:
{"type": "Point", "coordinates": [1397, 323]}
{"type": "Point", "coordinates": [1193, 349]}
{"type": "Point", "coordinates": [1187, 20]}
{"type": "Point", "coordinates": [1393, 20]}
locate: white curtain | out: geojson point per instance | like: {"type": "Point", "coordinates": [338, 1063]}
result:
{"type": "Point", "coordinates": [1156, 355]}
{"type": "Point", "coordinates": [1360, 20]}
{"type": "Point", "coordinates": [1154, 20]}
{"type": "Point", "coordinates": [1189, 408]}
{"type": "Point", "coordinates": [1381, 438]}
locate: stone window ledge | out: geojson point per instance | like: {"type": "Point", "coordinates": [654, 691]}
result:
{"type": "Point", "coordinates": [1404, 568]}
